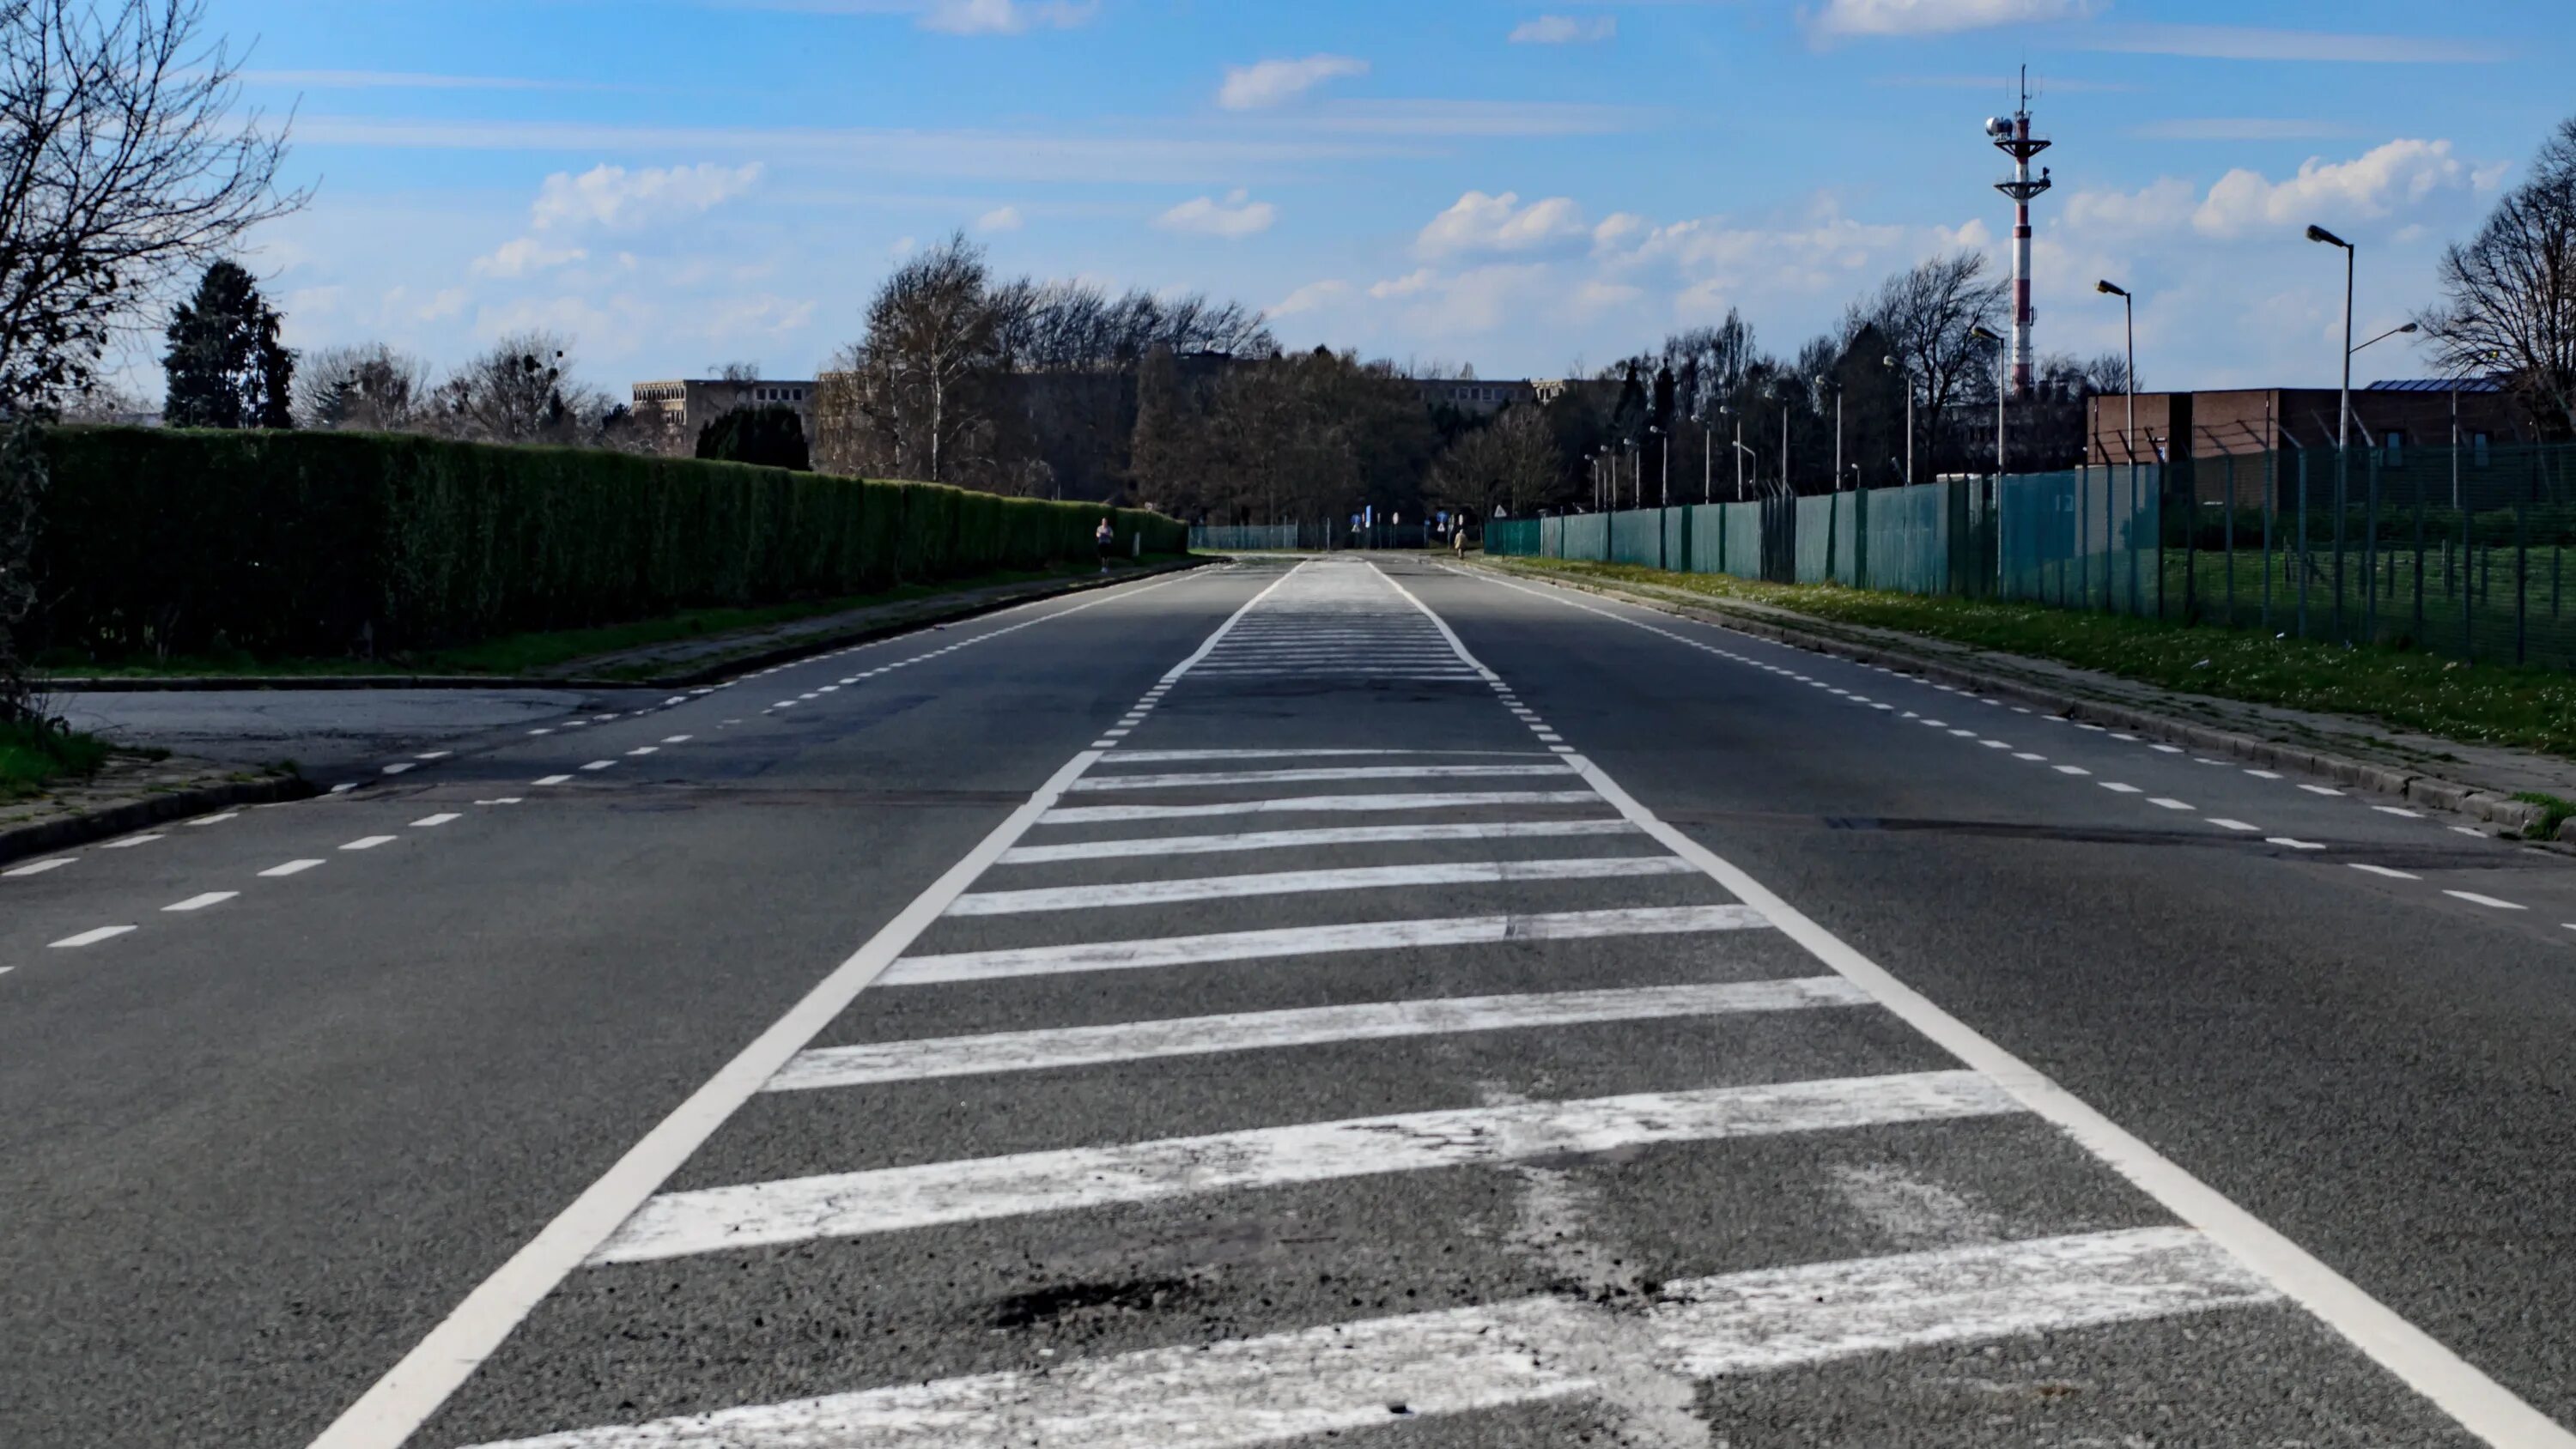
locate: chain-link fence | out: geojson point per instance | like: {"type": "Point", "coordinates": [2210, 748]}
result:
{"type": "Point", "coordinates": [2464, 552]}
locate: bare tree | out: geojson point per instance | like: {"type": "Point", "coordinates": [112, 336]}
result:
{"type": "Point", "coordinates": [933, 339]}
{"type": "Point", "coordinates": [368, 386]}
{"type": "Point", "coordinates": [738, 372]}
{"type": "Point", "coordinates": [520, 391]}
{"type": "Point", "coordinates": [1511, 463]}
{"type": "Point", "coordinates": [1926, 313]}
{"type": "Point", "coordinates": [2509, 293]}
{"type": "Point", "coordinates": [122, 166]}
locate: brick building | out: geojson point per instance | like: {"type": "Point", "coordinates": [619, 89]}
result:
{"type": "Point", "coordinates": [2242, 421]}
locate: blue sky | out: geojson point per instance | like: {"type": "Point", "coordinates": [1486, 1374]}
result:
{"type": "Point", "coordinates": [1526, 187]}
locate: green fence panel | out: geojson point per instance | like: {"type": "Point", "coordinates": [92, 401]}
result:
{"type": "Point", "coordinates": [1636, 538]}
{"type": "Point", "coordinates": [1514, 537]}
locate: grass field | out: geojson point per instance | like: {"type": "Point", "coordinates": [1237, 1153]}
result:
{"type": "Point", "coordinates": [2499, 704]}
{"type": "Point", "coordinates": [33, 756]}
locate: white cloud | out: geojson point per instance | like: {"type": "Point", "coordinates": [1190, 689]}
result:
{"type": "Point", "coordinates": [1313, 297]}
{"type": "Point", "coordinates": [1936, 17]}
{"type": "Point", "coordinates": [754, 318]}
{"type": "Point", "coordinates": [1001, 218]}
{"type": "Point", "coordinates": [1408, 285]}
{"type": "Point", "coordinates": [1482, 223]}
{"type": "Point", "coordinates": [2165, 204]}
{"type": "Point", "coordinates": [1236, 216]}
{"type": "Point", "coordinates": [1276, 82]}
{"type": "Point", "coordinates": [525, 255]}
{"type": "Point", "coordinates": [2376, 184]}
{"type": "Point", "coordinates": [613, 196]}
{"type": "Point", "coordinates": [1564, 30]}
{"type": "Point", "coordinates": [1004, 17]}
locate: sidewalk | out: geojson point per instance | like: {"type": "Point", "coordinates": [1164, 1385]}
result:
{"type": "Point", "coordinates": [2476, 780]}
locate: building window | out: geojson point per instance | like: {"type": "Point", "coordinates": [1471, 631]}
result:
{"type": "Point", "coordinates": [2393, 452]}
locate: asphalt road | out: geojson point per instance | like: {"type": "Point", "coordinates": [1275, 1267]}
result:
{"type": "Point", "coordinates": [1356, 1002]}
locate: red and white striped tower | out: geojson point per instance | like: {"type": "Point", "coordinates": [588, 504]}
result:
{"type": "Point", "coordinates": [2012, 137]}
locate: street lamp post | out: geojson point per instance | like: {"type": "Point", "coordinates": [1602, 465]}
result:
{"type": "Point", "coordinates": [2370, 508]}
{"type": "Point", "coordinates": [2129, 376]}
{"type": "Point", "coordinates": [2343, 413]}
{"type": "Point", "coordinates": [1663, 468]}
{"type": "Point", "coordinates": [1982, 334]}
{"type": "Point", "coordinates": [1827, 384]}
{"type": "Point", "coordinates": [1907, 373]}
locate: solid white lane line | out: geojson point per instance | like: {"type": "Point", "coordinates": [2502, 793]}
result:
{"type": "Point", "coordinates": [2169, 803]}
{"type": "Point", "coordinates": [1031, 1051]}
{"type": "Point", "coordinates": [292, 867]}
{"type": "Point", "coordinates": [368, 842]}
{"type": "Point", "coordinates": [857, 1204]}
{"type": "Point", "coordinates": [2473, 898]}
{"type": "Point", "coordinates": [553, 780]}
{"type": "Point", "coordinates": [1313, 1383]}
{"type": "Point", "coordinates": [93, 936]}
{"type": "Point", "coordinates": [39, 867]}
{"type": "Point", "coordinates": [1092, 784]}
{"type": "Point", "coordinates": [1280, 944]}
{"type": "Point", "coordinates": [1295, 839]}
{"type": "Point", "coordinates": [129, 842]}
{"type": "Point", "coordinates": [393, 1409]}
{"type": "Point", "coordinates": [2381, 870]}
{"type": "Point", "coordinates": [2225, 824]}
{"type": "Point", "coordinates": [427, 822]}
{"type": "Point", "coordinates": [2459, 1388]}
{"type": "Point", "coordinates": [1303, 882]}
{"type": "Point", "coordinates": [199, 903]}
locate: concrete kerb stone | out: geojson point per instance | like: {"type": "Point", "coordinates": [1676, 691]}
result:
{"type": "Point", "coordinates": [75, 830]}
{"type": "Point", "coordinates": [2428, 790]}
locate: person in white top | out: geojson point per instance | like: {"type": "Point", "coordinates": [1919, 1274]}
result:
{"type": "Point", "coordinates": [1104, 536]}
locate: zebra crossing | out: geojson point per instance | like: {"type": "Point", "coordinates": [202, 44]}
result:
{"type": "Point", "coordinates": [1352, 1059]}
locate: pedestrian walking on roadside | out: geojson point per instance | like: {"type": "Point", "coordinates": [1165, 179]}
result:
{"type": "Point", "coordinates": [1458, 538]}
{"type": "Point", "coordinates": [1104, 536]}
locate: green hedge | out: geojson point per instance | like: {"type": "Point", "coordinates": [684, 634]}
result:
{"type": "Point", "coordinates": [324, 543]}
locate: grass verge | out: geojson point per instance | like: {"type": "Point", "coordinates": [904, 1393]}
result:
{"type": "Point", "coordinates": [526, 654]}
{"type": "Point", "coordinates": [2532, 709]}
{"type": "Point", "coordinates": [33, 756]}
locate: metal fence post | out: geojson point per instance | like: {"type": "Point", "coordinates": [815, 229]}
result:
{"type": "Point", "coordinates": [2370, 550]}
{"type": "Point", "coordinates": [2418, 635]}
{"type": "Point", "coordinates": [2271, 505]}
{"type": "Point", "coordinates": [2306, 566]}
{"type": "Point", "coordinates": [2521, 576]}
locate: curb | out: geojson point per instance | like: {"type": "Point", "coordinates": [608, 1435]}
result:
{"type": "Point", "coordinates": [2430, 790]}
{"type": "Point", "coordinates": [812, 644]}
{"type": "Point", "coordinates": [74, 830]}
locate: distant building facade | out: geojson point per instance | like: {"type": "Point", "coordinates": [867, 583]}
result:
{"type": "Point", "coordinates": [2238, 443]}
{"type": "Point", "coordinates": [684, 406]}
{"type": "Point", "coordinates": [1477, 397]}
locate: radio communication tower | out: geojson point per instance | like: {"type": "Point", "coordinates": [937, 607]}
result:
{"type": "Point", "coordinates": [2012, 136]}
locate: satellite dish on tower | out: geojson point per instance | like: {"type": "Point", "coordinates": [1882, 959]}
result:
{"type": "Point", "coordinates": [1998, 126]}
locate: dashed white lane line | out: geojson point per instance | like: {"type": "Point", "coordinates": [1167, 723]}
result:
{"type": "Point", "coordinates": [2398, 810]}
{"type": "Point", "coordinates": [2469, 830]}
{"type": "Point", "coordinates": [93, 936]}
{"type": "Point", "coordinates": [2473, 898]}
{"type": "Point", "coordinates": [541, 732]}
{"type": "Point", "coordinates": [39, 867]}
{"type": "Point", "coordinates": [368, 842]}
{"type": "Point", "coordinates": [640, 750]}
{"type": "Point", "coordinates": [553, 780]}
{"type": "Point", "coordinates": [397, 769]}
{"type": "Point", "coordinates": [1055, 1049]}
{"type": "Point", "coordinates": [129, 842]}
{"type": "Point", "coordinates": [200, 902]}
{"type": "Point", "coordinates": [215, 819]}
{"type": "Point", "coordinates": [2264, 774]}
{"type": "Point", "coordinates": [504, 800]}
{"type": "Point", "coordinates": [2072, 770]}
{"type": "Point", "coordinates": [2169, 803]}
{"type": "Point", "coordinates": [292, 867]}
{"type": "Point", "coordinates": [600, 765]}
{"type": "Point", "coordinates": [2381, 870]}
{"type": "Point", "coordinates": [1303, 882]}
{"type": "Point", "coordinates": [2321, 790]}
{"type": "Point", "coordinates": [428, 822]}
{"type": "Point", "coordinates": [2166, 749]}
{"type": "Point", "coordinates": [2027, 755]}
{"type": "Point", "coordinates": [2292, 842]}
{"type": "Point", "coordinates": [2116, 788]}
{"type": "Point", "coordinates": [679, 739]}
{"type": "Point", "coordinates": [860, 1204]}
{"type": "Point", "coordinates": [2224, 823]}
{"type": "Point", "coordinates": [1995, 744]}
{"type": "Point", "coordinates": [434, 755]}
